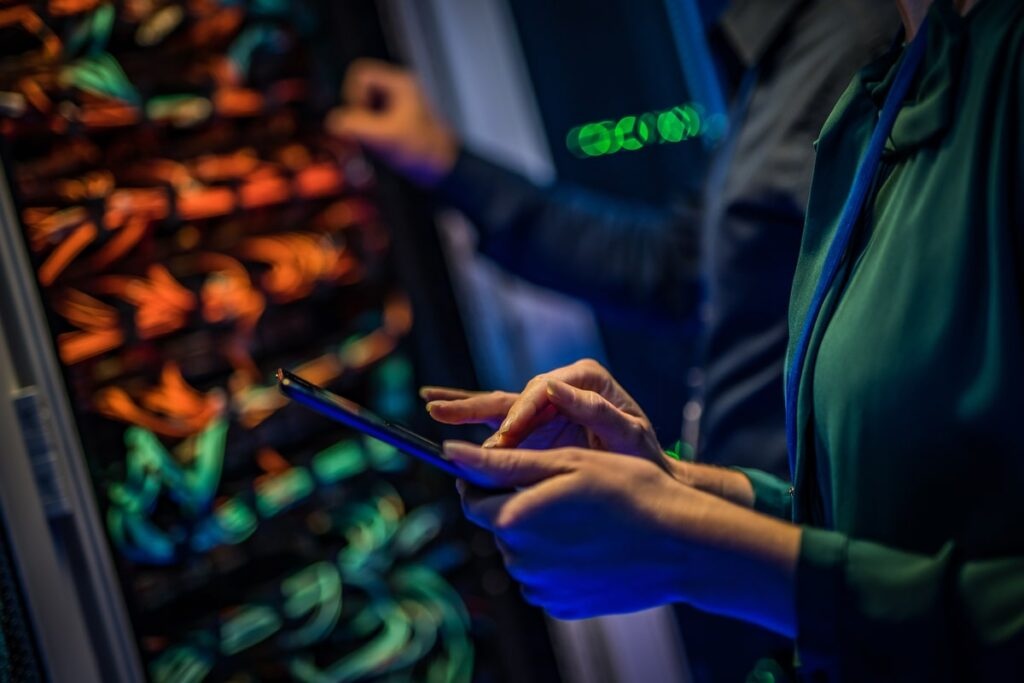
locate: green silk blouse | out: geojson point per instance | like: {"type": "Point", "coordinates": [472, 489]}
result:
{"type": "Point", "coordinates": [910, 459]}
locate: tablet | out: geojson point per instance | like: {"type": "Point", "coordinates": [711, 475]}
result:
{"type": "Point", "coordinates": [353, 415]}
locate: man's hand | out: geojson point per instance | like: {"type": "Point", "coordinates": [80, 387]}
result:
{"type": "Point", "coordinates": [387, 112]}
{"type": "Point", "coordinates": [589, 533]}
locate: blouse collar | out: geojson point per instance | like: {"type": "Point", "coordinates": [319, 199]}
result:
{"type": "Point", "coordinates": [928, 109]}
{"type": "Point", "coordinates": [930, 106]}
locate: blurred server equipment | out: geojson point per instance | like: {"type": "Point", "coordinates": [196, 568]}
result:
{"type": "Point", "coordinates": [175, 226]}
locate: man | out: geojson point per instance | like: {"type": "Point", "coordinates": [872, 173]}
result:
{"type": "Point", "coordinates": [786, 63]}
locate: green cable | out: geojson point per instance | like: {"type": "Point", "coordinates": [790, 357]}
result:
{"type": "Point", "coordinates": [150, 468]}
{"type": "Point", "coordinates": [371, 659]}
{"type": "Point", "coordinates": [248, 626]}
{"type": "Point", "coordinates": [95, 30]}
{"type": "Point", "coordinates": [100, 75]}
{"type": "Point", "coordinates": [315, 590]}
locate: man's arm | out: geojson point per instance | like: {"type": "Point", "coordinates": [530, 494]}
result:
{"type": "Point", "coordinates": [610, 253]}
{"type": "Point", "coordinates": [606, 252]}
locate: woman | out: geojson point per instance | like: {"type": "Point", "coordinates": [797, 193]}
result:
{"type": "Point", "coordinates": [899, 552]}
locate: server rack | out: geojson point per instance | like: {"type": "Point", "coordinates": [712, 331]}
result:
{"type": "Point", "coordinates": [175, 225]}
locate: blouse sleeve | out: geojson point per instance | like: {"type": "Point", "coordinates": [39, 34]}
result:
{"type": "Point", "coordinates": [772, 495]}
{"type": "Point", "coordinates": [870, 612]}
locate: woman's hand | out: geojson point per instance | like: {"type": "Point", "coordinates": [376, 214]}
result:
{"type": "Point", "coordinates": [577, 405]}
{"type": "Point", "coordinates": [580, 405]}
{"type": "Point", "coordinates": [590, 533]}
{"type": "Point", "coordinates": [459, 406]}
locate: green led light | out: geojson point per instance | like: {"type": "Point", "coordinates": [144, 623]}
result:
{"type": "Point", "coordinates": [596, 139]}
{"type": "Point", "coordinates": [572, 142]}
{"type": "Point", "coordinates": [631, 133]}
{"type": "Point", "coordinates": [691, 120]}
{"type": "Point", "coordinates": [671, 127]}
{"type": "Point", "coordinates": [635, 132]}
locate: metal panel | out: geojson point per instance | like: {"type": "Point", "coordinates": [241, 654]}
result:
{"type": "Point", "coordinates": [53, 566]}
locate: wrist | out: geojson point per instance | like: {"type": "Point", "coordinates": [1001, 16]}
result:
{"type": "Point", "coordinates": [738, 562]}
{"type": "Point", "coordinates": [443, 156]}
{"type": "Point", "coordinates": [718, 481]}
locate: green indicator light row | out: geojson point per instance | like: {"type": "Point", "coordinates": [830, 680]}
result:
{"type": "Point", "coordinates": [632, 133]}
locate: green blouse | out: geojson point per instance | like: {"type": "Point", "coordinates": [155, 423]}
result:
{"type": "Point", "coordinates": [910, 463]}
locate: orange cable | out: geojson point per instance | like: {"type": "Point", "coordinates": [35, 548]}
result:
{"type": "Point", "coordinates": [66, 252]}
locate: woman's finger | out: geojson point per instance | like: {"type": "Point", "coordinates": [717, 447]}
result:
{"type": "Point", "coordinates": [490, 408]}
{"type": "Point", "coordinates": [505, 468]}
{"type": "Point", "coordinates": [515, 432]}
{"type": "Point", "coordinates": [593, 411]}
{"type": "Point", "coordinates": [432, 393]}
{"type": "Point", "coordinates": [553, 434]}
{"type": "Point", "coordinates": [513, 515]}
{"type": "Point", "coordinates": [572, 435]}
{"type": "Point", "coordinates": [528, 411]}
{"type": "Point", "coordinates": [482, 506]}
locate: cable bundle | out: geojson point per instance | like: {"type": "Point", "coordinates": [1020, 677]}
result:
{"type": "Point", "coordinates": [192, 228]}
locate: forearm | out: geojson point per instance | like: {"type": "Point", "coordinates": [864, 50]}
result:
{"type": "Point", "coordinates": [739, 563]}
{"type": "Point", "coordinates": [728, 484]}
